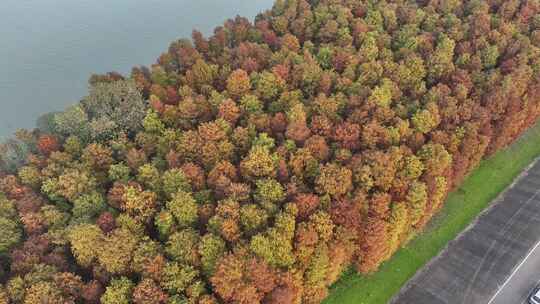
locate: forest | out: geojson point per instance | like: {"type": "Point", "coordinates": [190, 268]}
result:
{"type": "Point", "coordinates": [258, 164]}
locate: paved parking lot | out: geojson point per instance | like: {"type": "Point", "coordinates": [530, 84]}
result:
{"type": "Point", "coordinates": [474, 266]}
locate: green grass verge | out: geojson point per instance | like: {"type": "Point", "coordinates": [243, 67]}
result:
{"type": "Point", "coordinates": [461, 208]}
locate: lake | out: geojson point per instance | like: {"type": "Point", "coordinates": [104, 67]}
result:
{"type": "Point", "coordinates": [51, 47]}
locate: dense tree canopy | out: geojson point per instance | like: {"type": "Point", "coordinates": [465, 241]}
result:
{"type": "Point", "coordinates": [257, 164]}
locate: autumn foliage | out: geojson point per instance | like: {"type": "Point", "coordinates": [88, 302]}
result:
{"type": "Point", "coordinates": [257, 164]}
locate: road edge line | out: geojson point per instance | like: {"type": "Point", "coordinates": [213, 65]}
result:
{"type": "Point", "coordinates": [514, 272]}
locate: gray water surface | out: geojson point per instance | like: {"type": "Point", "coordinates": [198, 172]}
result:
{"type": "Point", "coordinates": [49, 48]}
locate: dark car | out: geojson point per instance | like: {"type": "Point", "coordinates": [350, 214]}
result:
{"type": "Point", "coordinates": [534, 298]}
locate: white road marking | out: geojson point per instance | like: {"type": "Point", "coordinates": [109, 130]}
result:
{"type": "Point", "coordinates": [514, 272]}
{"type": "Point", "coordinates": [526, 301]}
{"type": "Point", "coordinates": [523, 261]}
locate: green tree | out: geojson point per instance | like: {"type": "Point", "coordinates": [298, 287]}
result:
{"type": "Point", "coordinates": [184, 208]}
{"type": "Point", "coordinates": [118, 292]}
{"type": "Point", "coordinates": [182, 246]}
{"type": "Point", "coordinates": [150, 177]}
{"type": "Point", "coordinates": [73, 121]}
{"type": "Point", "coordinates": [427, 119]}
{"type": "Point", "coordinates": [116, 251]}
{"type": "Point", "coordinates": [268, 85]}
{"type": "Point", "coordinates": [269, 192]}
{"type": "Point", "coordinates": [275, 245]}
{"type": "Point", "coordinates": [382, 95]}
{"type": "Point", "coordinates": [369, 50]}
{"type": "Point", "coordinates": [259, 163]}
{"type": "Point", "coordinates": [15, 288]}
{"type": "Point", "coordinates": [417, 200]}
{"type": "Point", "coordinates": [31, 176]}
{"type": "Point", "coordinates": [176, 278]}
{"type": "Point", "coordinates": [85, 241]}
{"type": "Point", "coordinates": [114, 107]}
{"type": "Point", "coordinates": [11, 234]}
{"type": "Point", "coordinates": [334, 180]}
{"type": "Point", "coordinates": [440, 62]}
{"type": "Point", "coordinates": [174, 180]}
{"type": "Point", "coordinates": [253, 218]}
{"type": "Point", "coordinates": [119, 173]}
{"type": "Point", "coordinates": [211, 248]}
{"type": "Point", "coordinates": [88, 206]}
{"type": "Point", "coordinates": [165, 223]}
{"type": "Point", "coordinates": [490, 55]}
{"type": "Point", "coordinates": [251, 104]}
{"type": "Point", "coordinates": [152, 124]}
{"type": "Point", "coordinates": [10, 226]}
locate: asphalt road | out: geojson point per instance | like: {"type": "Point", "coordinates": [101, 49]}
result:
{"type": "Point", "coordinates": [518, 286]}
{"type": "Point", "coordinates": [496, 260]}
